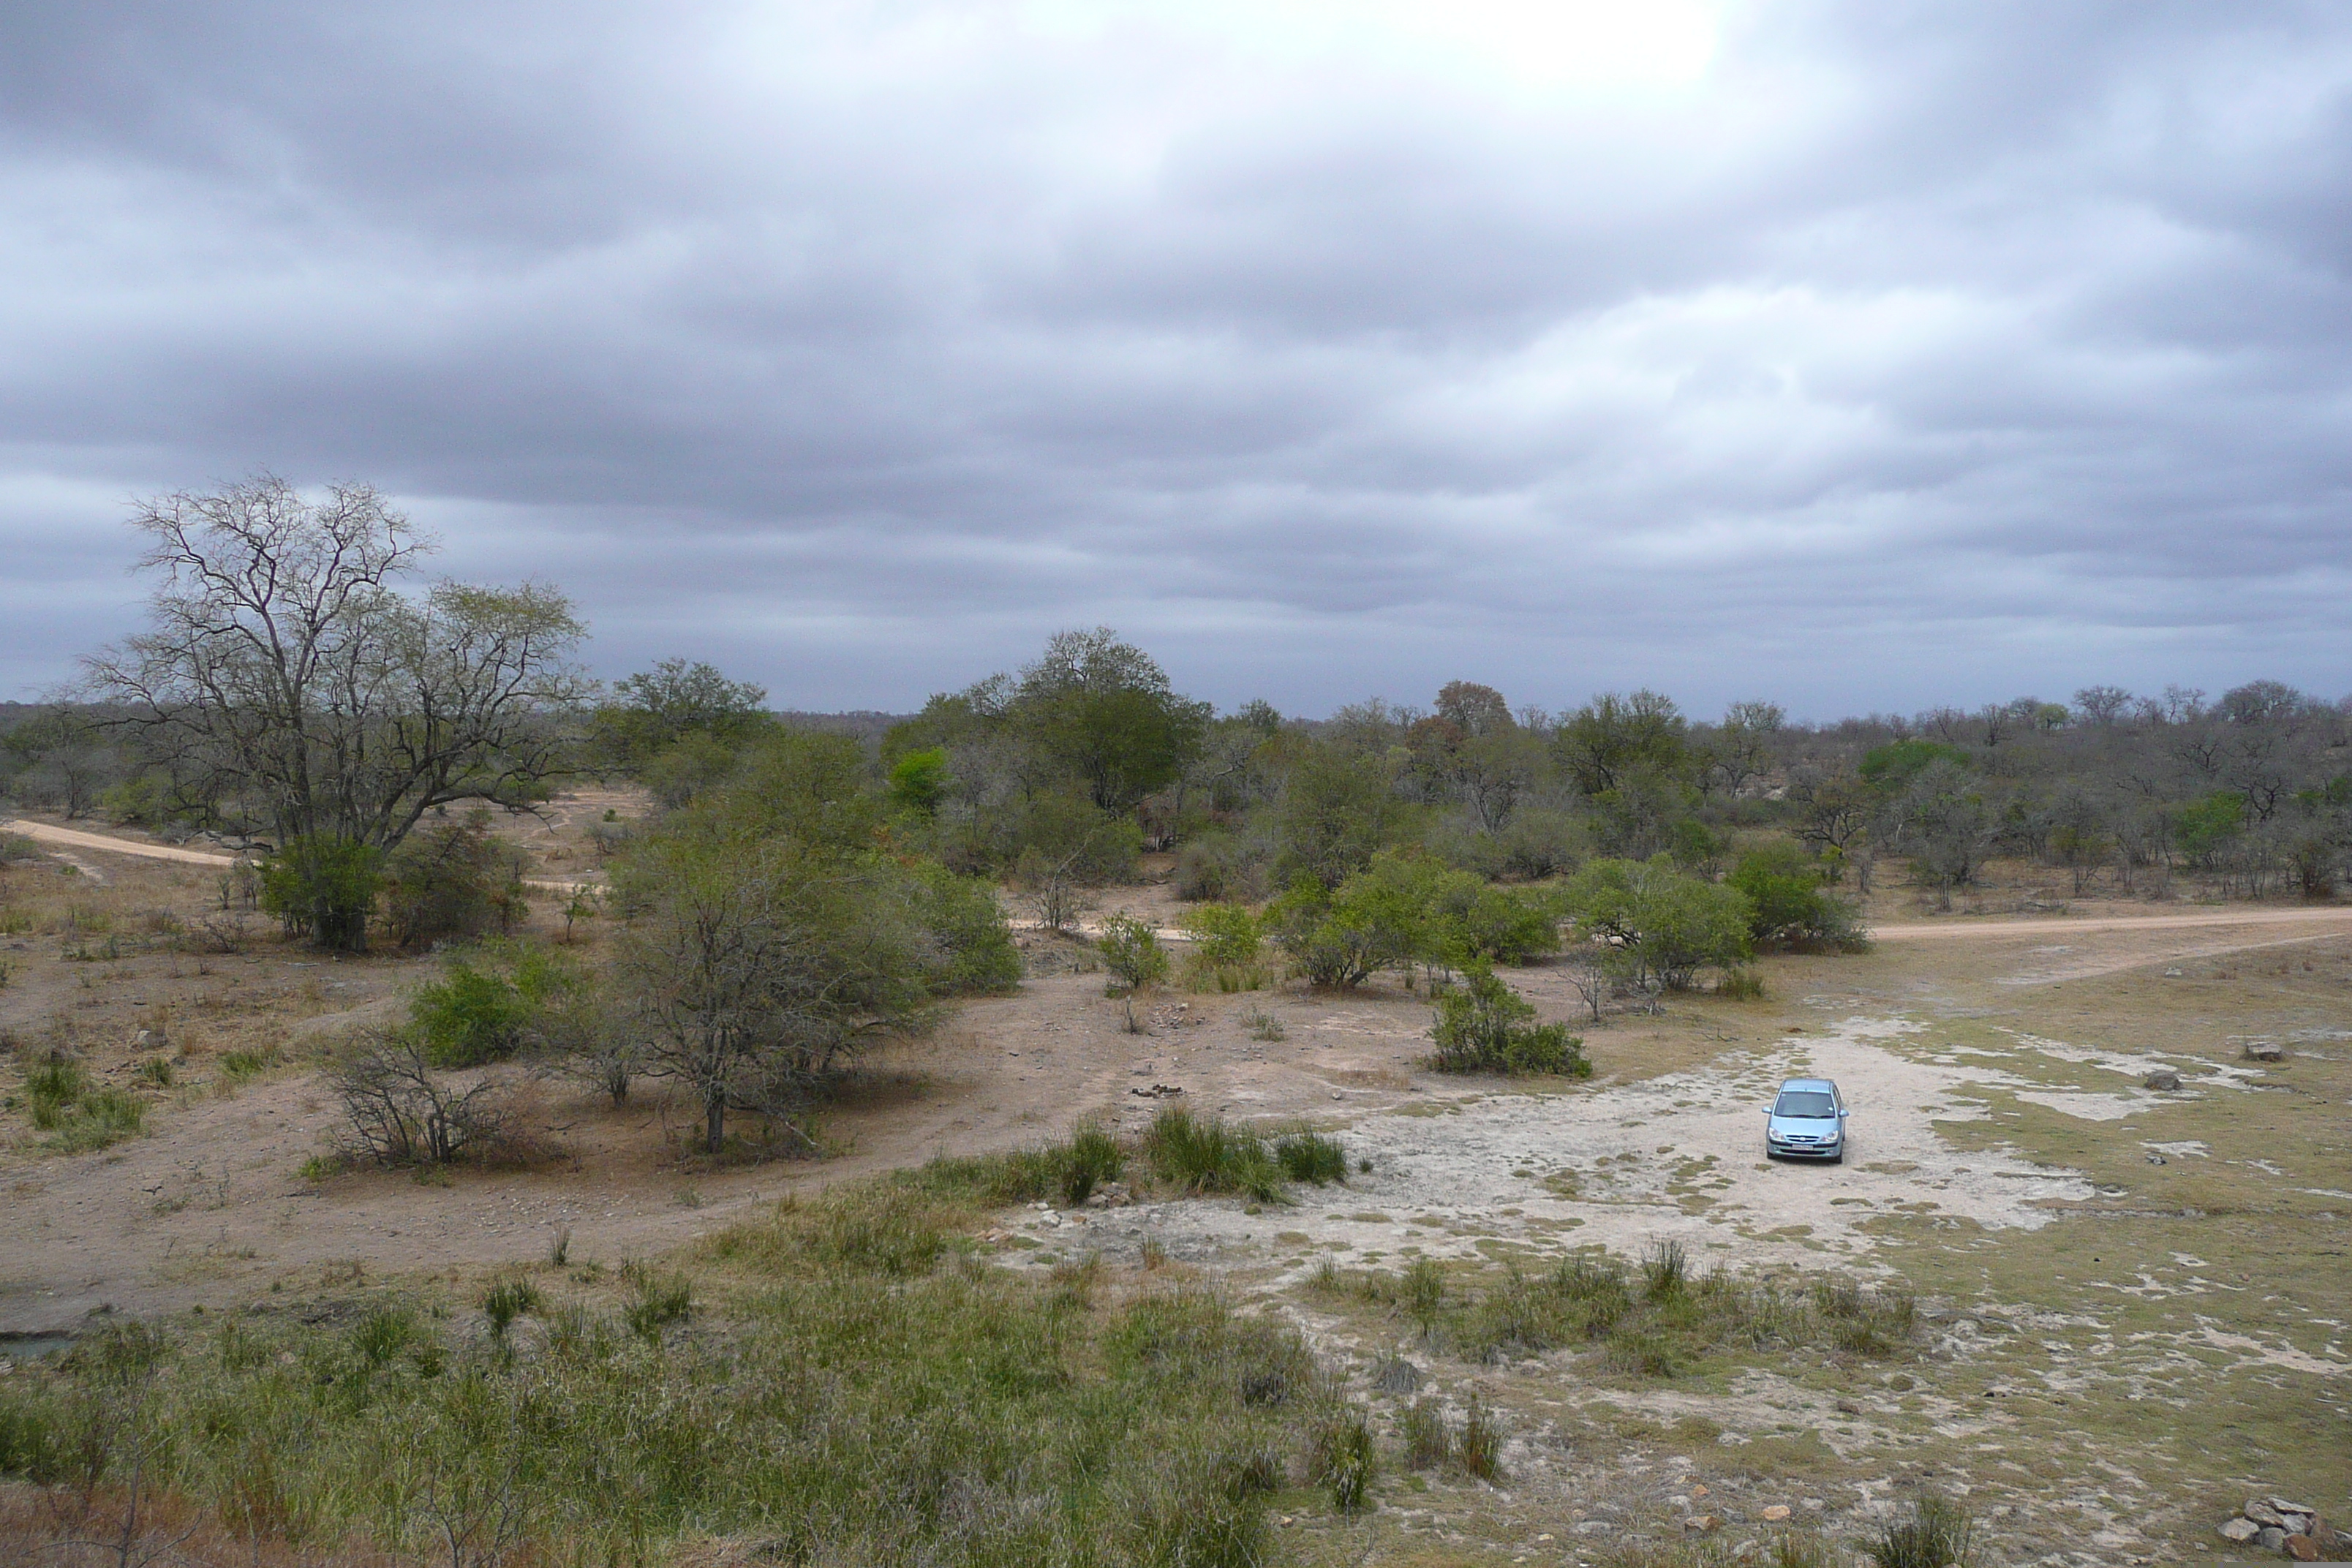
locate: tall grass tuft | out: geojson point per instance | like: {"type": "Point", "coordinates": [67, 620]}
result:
{"type": "Point", "coordinates": [1311, 1157]}
{"type": "Point", "coordinates": [1207, 1154]}
{"type": "Point", "coordinates": [1936, 1535]}
{"type": "Point", "coordinates": [1342, 1458]}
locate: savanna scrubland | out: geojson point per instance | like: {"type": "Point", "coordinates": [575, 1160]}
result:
{"type": "Point", "coordinates": [458, 1113]}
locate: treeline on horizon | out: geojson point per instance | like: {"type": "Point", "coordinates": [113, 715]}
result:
{"type": "Point", "coordinates": [1087, 758]}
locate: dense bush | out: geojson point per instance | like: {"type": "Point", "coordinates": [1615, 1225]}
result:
{"type": "Point", "coordinates": [1787, 904]}
{"type": "Point", "coordinates": [1131, 952]}
{"type": "Point", "coordinates": [483, 1009]}
{"type": "Point", "coordinates": [452, 879]}
{"type": "Point", "coordinates": [1660, 925]}
{"type": "Point", "coordinates": [1483, 1025]}
{"type": "Point", "coordinates": [323, 887]}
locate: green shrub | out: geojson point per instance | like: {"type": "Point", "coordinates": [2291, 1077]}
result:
{"type": "Point", "coordinates": [1788, 906]}
{"type": "Point", "coordinates": [1740, 985]}
{"type": "Point", "coordinates": [1131, 952]}
{"type": "Point", "coordinates": [974, 952]}
{"type": "Point", "coordinates": [1483, 1025]}
{"type": "Point", "coordinates": [452, 879]}
{"type": "Point", "coordinates": [1228, 942]}
{"type": "Point", "coordinates": [1092, 1160]}
{"type": "Point", "coordinates": [323, 887]}
{"type": "Point", "coordinates": [919, 780]}
{"type": "Point", "coordinates": [1206, 1154]}
{"type": "Point", "coordinates": [1219, 866]}
{"type": "Point", "coordinates": [1665, 1271]}
{"type": "Point", "coordinates": [473, 1016]}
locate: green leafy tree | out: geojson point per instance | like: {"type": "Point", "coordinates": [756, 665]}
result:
{"type": "Point", "coordinates": [1337, 810]}
{"type": "Point", "coordinates": [1660, 925]}
{"type": "Point", "coordinates": [1603, 745]}
{"type": "Point", "coordinates": [1103, 710]}
{"type": "Point", "coordinates": [654, 709]}
{"type": "Point", "coordinates": [2209, 823]}
{"type": "Point", "coordinates": [1788, 906]}
{"type": "Point", "coordinates": [1131, 952]}
{"type": "Point", "coordinates": [918, 781]}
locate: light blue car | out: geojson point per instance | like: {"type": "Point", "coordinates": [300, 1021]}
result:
{"type": "Point", "coordinates": [1806, 1120]}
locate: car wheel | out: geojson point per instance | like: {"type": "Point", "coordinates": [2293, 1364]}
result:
{"type": "Point", "coordinates": [1838, 1158]}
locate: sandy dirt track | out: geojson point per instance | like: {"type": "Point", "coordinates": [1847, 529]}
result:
{"type": "Point", "coordinates": [73, 838]}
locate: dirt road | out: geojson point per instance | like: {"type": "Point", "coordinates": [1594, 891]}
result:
{"type": "Point", "coordinates": [2338, 916]}
{"type": "Point", "coordinates": [73, 838]}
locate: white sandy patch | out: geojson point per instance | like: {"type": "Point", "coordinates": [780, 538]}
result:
{"type": "Point", "coordinates": [1678, 1157]}
{"type": "Point", "coordinates": [2186, 1148]}
{"type": "Point", "coordinates": [2257, 1353]}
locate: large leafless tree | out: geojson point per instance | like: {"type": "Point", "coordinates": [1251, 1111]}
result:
{"type": "Point", "coordinates": [291, 688]}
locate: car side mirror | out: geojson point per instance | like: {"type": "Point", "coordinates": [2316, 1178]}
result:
{"type": "Point", "coordinates": [1843, 1113]}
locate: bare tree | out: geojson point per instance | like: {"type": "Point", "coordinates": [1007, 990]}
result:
{"type": "Point", "coordinates": [755, 972]}
{"type": "Point", "coordinates": [302, 693]}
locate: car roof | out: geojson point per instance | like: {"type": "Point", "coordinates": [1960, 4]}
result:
{"type": "Point", "coordinates": [1805, 1083]}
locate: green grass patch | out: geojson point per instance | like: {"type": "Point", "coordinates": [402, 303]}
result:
{"type": "Point", "coordinates": [841, 1399]}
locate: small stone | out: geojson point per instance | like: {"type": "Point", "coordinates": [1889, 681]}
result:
{"type": "Point", "coordinates": [2262, 1512]}
{"type": "Point", "coordinates": [1543, 1537]}
{"type": "Point", "coordinates": [1747, 1548]}
{"type": "Point", "coordinates": [1700, 1523]}
{"type": "Point", "coordinates": [2162, 1078]}
{"type": "Point", "coordinates": [2173, 974]}
{"type": "Point", "coordinates": [2271, 1539]}
{"type": "Point", "coordinates": [1776, 1513]}
{"type": "Point", "coordinates": [2241, 1530]}
{"type": "Point", "coordinates": [2156, 1158]}
{"type": "Point", "coordinates": [1848, 1407]}
{"type": "Point", "coordinates": [1698, 1489]}
{"type": "Point", "coordinates": [1902, 1382]}
{"type": "Point", "coordinates": [2303, 1548]}
{"type": "Point", "coordinates": [2284, 1506]}
{"type": "Point", "coordinates": [2266, 1051]}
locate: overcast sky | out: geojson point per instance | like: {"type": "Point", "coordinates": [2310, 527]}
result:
{"type": "Point", "coordinates": [1864, 356]}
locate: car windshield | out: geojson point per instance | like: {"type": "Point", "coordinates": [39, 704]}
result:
{"type": "Point", "coordinates": [1806, 1104]}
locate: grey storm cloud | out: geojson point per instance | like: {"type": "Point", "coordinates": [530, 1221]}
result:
{"type": "Point", "coordinates": [1858, 354]}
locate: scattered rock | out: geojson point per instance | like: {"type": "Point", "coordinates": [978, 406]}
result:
{"type": "Point", "coordinates": [1902, 1382]}
{"type": "Point", "coordinates": [1157, 1091]}
{"type": "Point", "coordinates": [2262, 1512]}
{"type": "Point", "coordinates": [1700, 1523]}
{"type": "Point", "coordinates": [2304, 1508]}
{"type": "Point", "coordinates": [2241, 1530]}
{"type": "Point", "coordinates": [1848, 1407]}
{"type": "Point", "coordinates": [2161, 1078]}
{"type": "Point", "coordinates": [2173, 974]}
{"type": "Point", "coordinates": [1776, 1513]}
{"type": "Point", "coordinates": [2303, 1549]}
{"type": "Point", "coordinates": [2266, 1051]}
{"type": "Point", "coordinates": [2271, 1539]}
{"type": "Point", "coordinates": [2156, 1158]}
